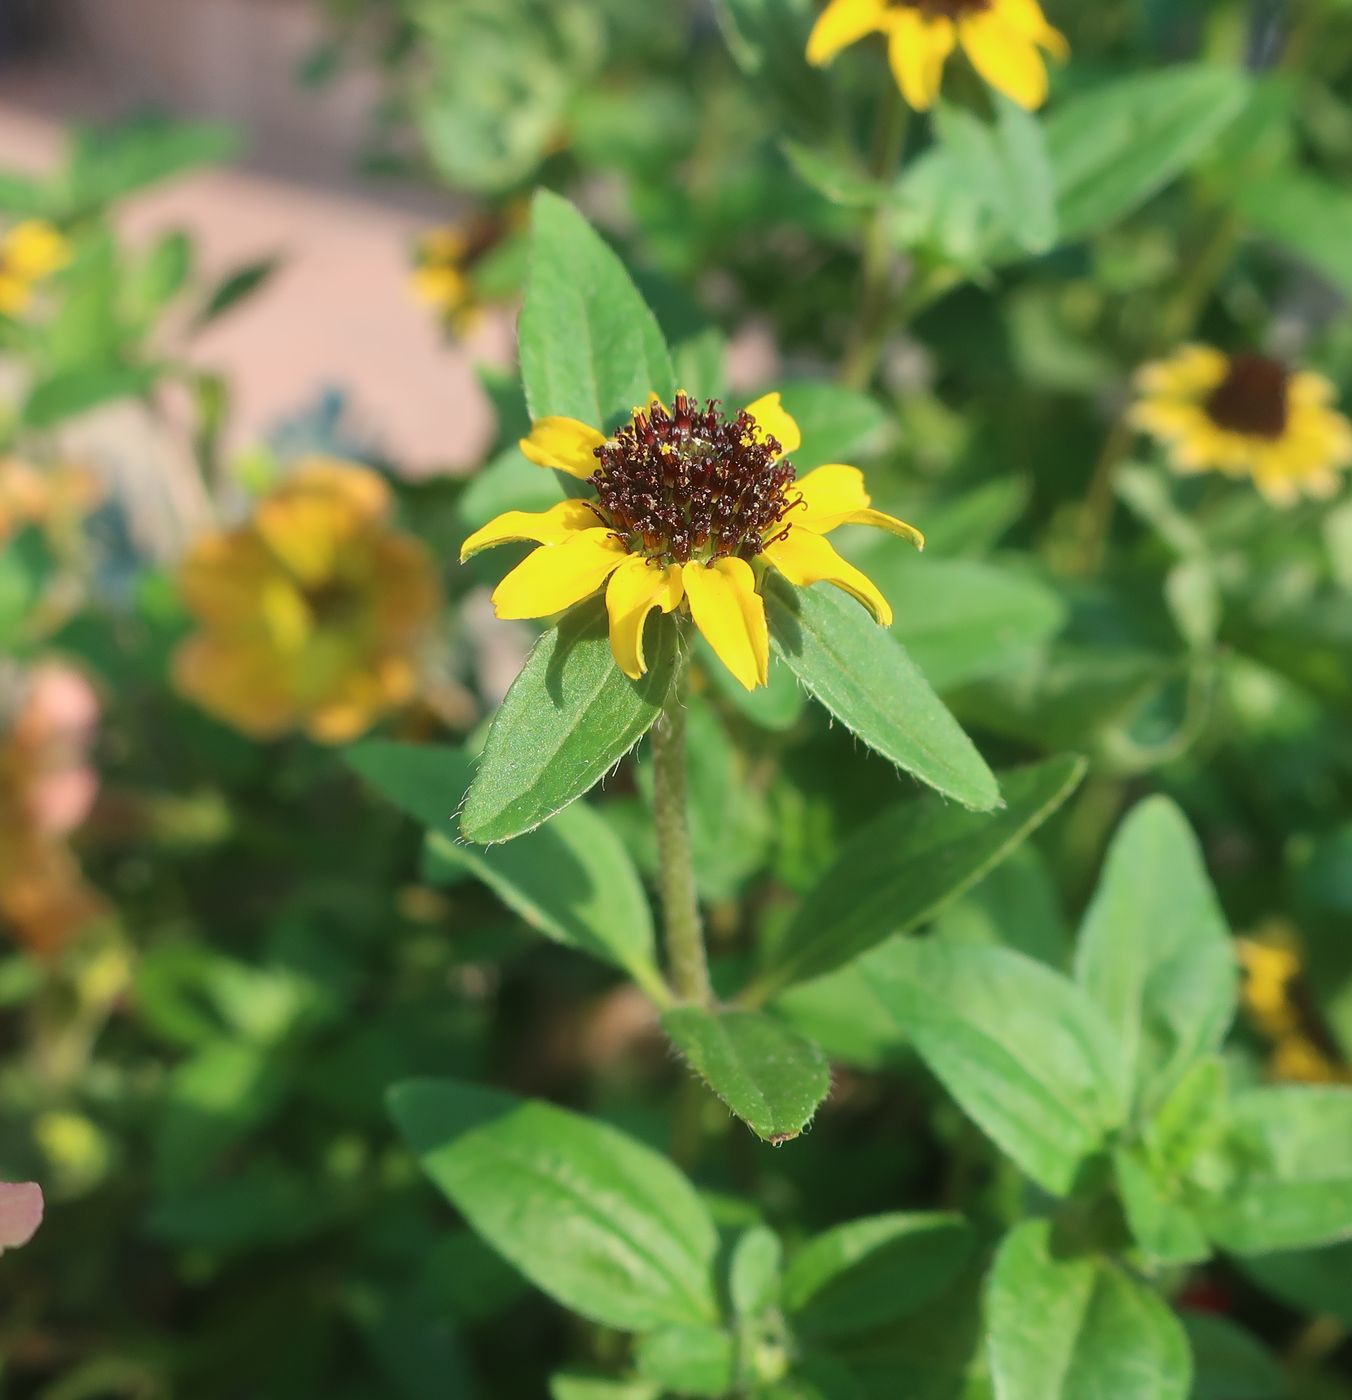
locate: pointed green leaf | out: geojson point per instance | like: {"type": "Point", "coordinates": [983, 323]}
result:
{"type": "Point", "coordinates": [1067, 1328]}
{"type": "Point", "coordinates": [1161, 1224]}
{"type": "Point", "coordinates": [864, 677]}
{"type": "Point", "coordinates": [870, 1271]}
{"type": "Point", "coordinates": [693, 1361]}
{"type": "Point", "coordinates": [569, 718]}
{"type": "Point", "coordinates": [1155, 952]}
{"type": "Point", "coordinates": [598, 1221]}
{"type": "Point", "coordinates": [1120, 143]}
{"type": "Point", "coordinates": [590, 347]}
{"type": "Point", "coordinates": [767, 1074]}
{"type": "Point", "coordinates": [1021, 1048]}
{"type": "Point", "coordinates": [905, 865]}
{"type": "Point", "coordinates": [572, 879]}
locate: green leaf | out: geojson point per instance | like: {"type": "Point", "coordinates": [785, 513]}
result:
{"type": "Point", "coordinates": [1282, 1178]}
{"type": "Point", "coordinates": [1310, 216]}
{"type": "Point", "coordinates": [1310, 1280]}
{"type": "Point", "coordinates": [1155, 953]}
{"type": "Point", "coordinates": [1161, 1224]}
{"type": "Point", "coordinates": [905, 865]}
{"type": "Point", "coordinates": [963, 620]}
{"type": "Point", "coordinates": [571, 1386]}
{"type": "Point", "coordinates": [868, 1272]}
{"type": "Point", "coordinates": [569, 718]}
{"type": "Point", "coordinates": [832, 178]}
{"type": "Point", "coordinates": [1066, 1328]}
{"type": "Point", "coordinates": [1022, 1050]}
{"type": "Point", "coordinates": [109, 163]}
{"type": "Point", "coordinates": [426, 781]}
{"type": "Point", "coordinates": [765, 1072]}
{"type": "Point", "coordinates": [572, 880]}
{"type": "Point", "coordinates": [754, 1276]}
{"type": "Point", "coordinates": [233, 289]}
{"type": "Point", "coordinates": [1230, 1364]}
{"type": "Point", "coordinates": [71, 392]}
{"type": "Point", "coordinates": [590, 347]}
{"type": "Point", "coordinates": [695, 1361]}
{"type": "Point", "coordinates": [864, 677]}
{"type": "Point", "coordinates": [1120, 143]}
{"type": "Point", "coordinates": [598, 1221]}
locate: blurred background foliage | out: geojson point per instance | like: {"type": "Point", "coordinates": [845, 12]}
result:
{"type": "Point", "coordinates": [237, 948]}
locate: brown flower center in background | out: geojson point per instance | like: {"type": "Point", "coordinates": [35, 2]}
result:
{"type": "Point", "coordinates": [692, 483]}
{"type": "Point", "coordinates": [1252, 398]}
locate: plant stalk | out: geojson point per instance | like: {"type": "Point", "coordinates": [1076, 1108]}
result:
{"type": "Point", "coordinates": [687, 960]}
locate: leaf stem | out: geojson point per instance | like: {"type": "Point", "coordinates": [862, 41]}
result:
{"type": "Point", "coordinates": [686, 956]}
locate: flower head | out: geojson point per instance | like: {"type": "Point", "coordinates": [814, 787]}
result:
{"type": "Point", "coordinates": [1246, 415]}
{"type": "Point", "coordinates": [1004, 40]}
{"type": "Point", "coordinates": [1277, 1001]}
{"type": "Point", "coordinates": [691, 506]}
{"type": "Point", "coordinates": [310, 612]}
{"type": "Point", "coordinates": [29, 253]}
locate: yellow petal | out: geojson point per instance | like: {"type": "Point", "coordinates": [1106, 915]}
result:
{"type": "Point", "coordinates": [835, 495]}
{"type": "Point", "coordinates": [556, 576]}
{"type": "Point", "coordinates": [1008, 60]}
{"type": "Point", "coordinates": [1190, 372]}
{"type": "Point", "coordinates": [34, 250]}
{"type": "Point", "coordinates": [827, 492]}
{"type": "Point", "coordinates": [565, 445]}
{"type": "Point", "coordinates": [805, 558]}
{"type": "Point", "coordinates": [728, 610]}
{"type": "Point", "coordinates": [1026, 16]}
{"type": "Point", "coordinates": [635, 589]}
{"type": "Point", "coordinates": [551, 526]}
{"type": "Point", "coordinates": [917, 49]}
{"type": "Point", "coordinates": [774, 420]}
{"type": "Point", "coordinates": [443, 288]}
{"type": "Point", "coordinates": [842, 23]}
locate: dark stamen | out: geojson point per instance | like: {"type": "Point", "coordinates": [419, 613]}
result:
{"type": "Point", "coordinates": [691, 483]}
{"type": "Point", "coordinates": [1252, 398]}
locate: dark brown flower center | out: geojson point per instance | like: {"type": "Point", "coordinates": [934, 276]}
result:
{"type": "Point", "coordinates": [334, 603]}
{"type": "Point", "coordinates": [942, 9]}
{"type": "Point", "coordinates": [692, 483]}
{"type": "Point", "coordinates": [1252, 398]}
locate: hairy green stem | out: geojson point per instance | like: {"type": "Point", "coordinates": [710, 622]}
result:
{"type": "Point", "coordinates": [687, 960]}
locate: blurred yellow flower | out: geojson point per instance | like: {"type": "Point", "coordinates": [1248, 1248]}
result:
{"type": "Point", "coordinates": [1245, 415]}
{"type": "Point", "coordinates": [309, 614]}
{"type": "Point", "coordinates": [1004, 40]}
{"type": "Point", "coordinates": [446, 258]}
{"type": "Point", "coordinates": [29, 253]}
{"type": "Point", "coordinates": [1274, 1001]}
{"type": "Point", "coordinates": [691, 507]}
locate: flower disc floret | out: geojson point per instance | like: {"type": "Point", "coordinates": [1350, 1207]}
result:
{"type": "Point", "coordinates": [693, 483]}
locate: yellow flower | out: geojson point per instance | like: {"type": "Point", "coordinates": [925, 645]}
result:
{"type": "Point", "coordinates": [1275, 1001]}
{"type": "Point", "coordinates": [446, 258]}
{"type": "Point", "coordinates": [1245, 415]}
{"type": "Point", "coordinates": [691, 507]}
{"type": "Point", "coordinates": [310, 612]}
{"type": "Point", "coordinates": [1002, 38]}
{"type": "Point", "coordinates": [29, 253]}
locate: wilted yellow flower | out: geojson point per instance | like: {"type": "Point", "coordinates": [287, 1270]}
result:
{"type": "Point", "coordinates": [1004, 40]}
{"type": "Point", "coordinates": [691, 507]}
{"type": "Point", "coordinates": [1245, 415]}
{"type": "Point", "coordinates": [446, 259]}
{"type": "Point", "coordinates": [46, 790]}
{"type": "Point", "coordinates": [310, 612]}
{"type": "Point", "coordinates": [29, 253]}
